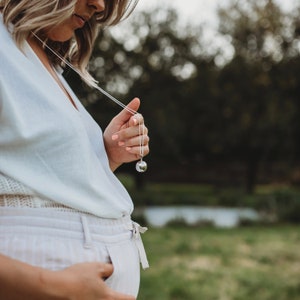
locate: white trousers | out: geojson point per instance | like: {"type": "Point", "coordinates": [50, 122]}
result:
{"type": "Point", "coordinates": [54, 239]}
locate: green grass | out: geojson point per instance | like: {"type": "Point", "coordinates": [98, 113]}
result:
{"type": "Point", "coordinates": [257, 263]}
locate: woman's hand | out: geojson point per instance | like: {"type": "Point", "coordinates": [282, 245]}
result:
{"type": "Point", "coordinates": [85, 281]}
{"type": "Point", "coordinates": [21, 281]}
{"type": "Point", "coordinates": [123, 136]}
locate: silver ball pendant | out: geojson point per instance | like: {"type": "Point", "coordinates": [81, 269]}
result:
{"type": "Point", "coordinates": [141, 166]}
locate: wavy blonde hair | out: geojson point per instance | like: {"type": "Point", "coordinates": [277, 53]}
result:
{"type": "Point", "coordinates": [35, 16]}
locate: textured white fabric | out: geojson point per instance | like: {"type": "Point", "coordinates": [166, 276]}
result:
{"type": "Point", "coordinates": [14, 194]}
{"type": "Point", "coordinates": [48, 146]}
{"type": "Point", "coordinates": [55, 240]}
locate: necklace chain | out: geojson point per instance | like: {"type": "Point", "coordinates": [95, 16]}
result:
{"type": "Point", "coordinates": [109, 96]}
{"type": "Point", "coordinates": [66, 62]}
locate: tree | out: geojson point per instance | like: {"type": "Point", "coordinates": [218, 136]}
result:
{"type": "Point", "coordinates": [199, 111]}
{"type": "Point", "coordinates": [257, 116]}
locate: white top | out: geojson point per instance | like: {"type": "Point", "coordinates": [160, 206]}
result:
{"type": "Point", "coordinates": [54, 150]}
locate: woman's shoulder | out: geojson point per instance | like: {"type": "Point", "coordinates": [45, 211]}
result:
{"type": "Point", "coordinates": [10, 54]}
{"type": "Point", "coordinates": [6, 39]}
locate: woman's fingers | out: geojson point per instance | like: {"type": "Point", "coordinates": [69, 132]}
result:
{"type": "Point", "coordinates": [131, 132]}
{"type": "Point", "coordinates": [126, 114]}
{"type": "Point", "coordinates": [106, 270]}
{"type": "Point", "coordinates": [138, 151]}
{"type": "Point", "coordinates": [141, 140]}
{"type": "Point", "coordinates": [117, 296]}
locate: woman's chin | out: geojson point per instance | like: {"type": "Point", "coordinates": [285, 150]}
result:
{"type": "Point", "coordinates": [60, 37]}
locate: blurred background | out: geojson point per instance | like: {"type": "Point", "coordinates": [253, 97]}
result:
{"type": "Point", "coordinates": [220, 92]}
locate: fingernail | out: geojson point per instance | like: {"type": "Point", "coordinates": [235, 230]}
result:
{"type": "Point", "coordinates": [121, 143]}
{"type": "Point", "coordinates": [128, 148]}
{"type": "Point", "coordinates": [135, 121]}
{"type": "Point", "coordinates": [114, 137]}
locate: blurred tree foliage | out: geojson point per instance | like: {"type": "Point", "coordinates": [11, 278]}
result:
{"type": "Point", "coordinates": [202, 113]}
{"type": "Point", "coordinates": [260, 108]}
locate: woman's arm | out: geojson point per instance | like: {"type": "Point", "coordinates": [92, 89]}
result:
{"type": "Point", "coordinates": [21, 281]}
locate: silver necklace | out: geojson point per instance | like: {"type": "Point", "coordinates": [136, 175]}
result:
{"type": "Point", "coordinates": [141, 165]}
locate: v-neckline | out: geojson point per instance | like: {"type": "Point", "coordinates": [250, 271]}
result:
{"type": "Point", "coordinates": [53, 74]}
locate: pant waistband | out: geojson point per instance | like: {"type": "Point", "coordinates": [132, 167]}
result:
{"type": "Point", "coordinates": [73, 224]}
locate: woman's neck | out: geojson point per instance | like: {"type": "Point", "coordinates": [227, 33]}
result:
{"type": "Point", "coordinates": [40, 52]}
{"type": "Point", "coordinates": [42, 55]}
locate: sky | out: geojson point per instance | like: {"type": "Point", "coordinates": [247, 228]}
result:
{"type": "Point", "coordinates": [204, 12]}
{"type": "Point", "coordinates": [195, 11]}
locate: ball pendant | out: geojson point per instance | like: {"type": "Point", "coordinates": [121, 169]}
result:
{"type": "Point", "coordinates": [141, 166]}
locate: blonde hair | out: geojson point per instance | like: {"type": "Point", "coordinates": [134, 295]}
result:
{"type": "Point", "coordinates": [36, 16]}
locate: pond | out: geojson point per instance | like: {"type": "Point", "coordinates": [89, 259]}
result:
{"type": "Point", "coordinates": [158, 216]}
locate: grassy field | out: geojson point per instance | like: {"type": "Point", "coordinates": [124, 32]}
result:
{"type": "Point", "coordinates": [248, 263]}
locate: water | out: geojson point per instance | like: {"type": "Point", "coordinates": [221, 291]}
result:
{"type": "Point", "coordinates": [157, 216]}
